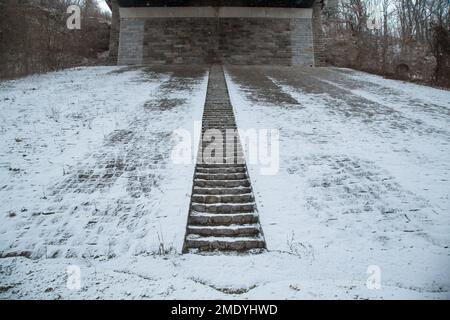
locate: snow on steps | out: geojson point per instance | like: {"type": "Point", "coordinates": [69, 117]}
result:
{"type": "Point", "coordinates": [225, 219]}
{"type": "Point", "coordinates": [223, 214]}
{"type": "Point", "coordinates": [223, 198]}
{"type": "Point", "coordinates": [221, 190]}
{"type": "Point", "coordinates": [224, 243]}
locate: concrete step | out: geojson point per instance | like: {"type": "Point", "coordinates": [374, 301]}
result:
{"type": "Point", "coordinates": [208, 136]}
{"type": "Point", "coordinates": [221, 183]}
{"type": "Point", "coordinates": [218, 104]}
{"type": "Point", "coordinates": [224, 128]}
{"type": "Point", "coordinates": [225, 219]}
{"type": "Point", "coordinates": [224, 244]}
{"type": "Point", "coordinates": [218, 121]}
{"type": "Point", "coordinates": [224, 135]}
{"type": "Point", "coordinates": [225, 165]}
{"type": "Point", "coordinates": [224, 151]}
{"type": "Point", "coordinates": [223, 198]}
{"type": "Point", "coordinates": [224, 157]}
{"type": "Point", "coordinates": [217, 147]}
{"type": "Point", "coordinates": [221, 176]}
{"type": "Point", "coordinates": [218, 126]}
{"type": "Point", "coordinates": [225, 116]}
{"type": "Point", "coordinates": [246, 230]}
{"type": "Point", "coordinates": [224, 207]}
{"type": "Point", "coordinates": [210, 147]}
{"type": "Point", "coordinates": [222, 160]}
{"type": "Point", "coordinates": [217, 101]}
{"type": "Point", "coordinates": [226, 144]}
{"type": "Point", "coordinates": [221, 170]}
{"type": "Point", "coordinates": [222, 191]}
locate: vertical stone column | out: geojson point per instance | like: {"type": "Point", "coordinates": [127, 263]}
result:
{"type": "Point", "coordinates": [114, 32]}
{"type": "Point", "coordinates": [301, 42]}
{"type": "Point", "coordinates": [131, 44]}
{"type": "Point", "coordinates": [319, 41]}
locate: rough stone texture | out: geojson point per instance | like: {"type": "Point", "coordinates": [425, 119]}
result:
{"type": "Point", "coordinates": [114, 32]}
{"type": "Point", "coordinates": [131, 41]}
{"type": "Point", "coordinates": [233, 202]}
{"type": "Point", "coordinates": [319, 41]}
{"type": "Point", "coordinates": [302, 39]}
{"type": "Point", "coordinates": [254, 41]}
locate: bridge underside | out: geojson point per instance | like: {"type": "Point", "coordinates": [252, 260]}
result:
{"type": "Point", "coordinates": [191, 32]}
{"type": "Point", "coordinates": [218, 3]}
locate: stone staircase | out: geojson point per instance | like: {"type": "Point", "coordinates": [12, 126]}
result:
{"type": "Point", "coordinates": [223, 214]}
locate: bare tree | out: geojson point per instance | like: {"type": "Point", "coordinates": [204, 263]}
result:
{"type": "Point", "coordinates": [34, 36]}
{"type": "Point", "coordinates": [410, 40]}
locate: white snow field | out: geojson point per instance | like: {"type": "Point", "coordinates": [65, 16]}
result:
{"type": "Point", "coordinates": [87, 182]}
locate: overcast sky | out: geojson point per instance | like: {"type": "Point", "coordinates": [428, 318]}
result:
{"type": "Point", "coordinates": [103, 5]}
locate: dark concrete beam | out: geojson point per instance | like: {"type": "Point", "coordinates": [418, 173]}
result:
{"type": "Point", "coordinates": [218, 3]}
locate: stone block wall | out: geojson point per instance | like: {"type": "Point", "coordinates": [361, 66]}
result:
{"type": "Point", "coordinates": [180, 41]}
{"type": "Point", "coordinates": [255, 40]}
{"type": "Point", "coordinates": [265, 41]}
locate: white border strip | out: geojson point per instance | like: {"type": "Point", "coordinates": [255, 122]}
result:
{"type": "Point", "coordinates": [215, 12]}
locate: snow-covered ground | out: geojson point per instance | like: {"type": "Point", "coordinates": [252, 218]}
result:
{"type": "Point", "coordinates": [87, 181]}
{"type": "Point", "coordinates": [363, 180]}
